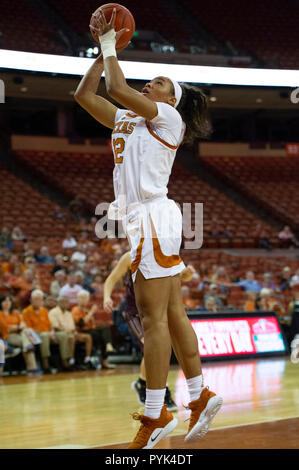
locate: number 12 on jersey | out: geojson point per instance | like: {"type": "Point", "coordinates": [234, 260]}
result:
{"type": "Point", "coordinates": [119, 146]}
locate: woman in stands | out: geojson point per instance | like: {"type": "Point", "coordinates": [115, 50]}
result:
{"type": "Point", "coordinates": [146, 133]}
{"type": "Point", "coordinates": [15, 332]}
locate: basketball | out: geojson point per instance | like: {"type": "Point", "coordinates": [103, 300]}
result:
{"type": "Point", "coordinates": [124, 19]}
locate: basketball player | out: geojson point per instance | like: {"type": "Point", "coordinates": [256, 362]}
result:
{"type": "Point", "coordinates": [146, 133]}
{"type": "Point", "coordinates": [131, 315]}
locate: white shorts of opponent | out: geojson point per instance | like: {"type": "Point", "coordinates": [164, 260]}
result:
{"type": "Point", "coordinates": [154, 232]}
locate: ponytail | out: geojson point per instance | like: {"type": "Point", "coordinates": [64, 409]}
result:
{"type": "Point", "coordinates": [193, 108]}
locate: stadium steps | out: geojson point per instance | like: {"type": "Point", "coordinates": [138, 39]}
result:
{"type": "Point", "coordinates": [190, 160]}
{"type": "Point", "coordinates": [64, 32]}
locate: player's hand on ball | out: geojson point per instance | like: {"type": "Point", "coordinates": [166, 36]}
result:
{"type": "Point", "coordinates": [103, 27]}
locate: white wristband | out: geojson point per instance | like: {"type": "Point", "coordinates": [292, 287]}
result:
{"type": "Point", "coordinates": [108, 44]}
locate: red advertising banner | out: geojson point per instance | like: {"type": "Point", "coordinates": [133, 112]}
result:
{"type": "Point", "coordinates": [238, 336]}
{"type": "Point", "coordinates": [292, 150]}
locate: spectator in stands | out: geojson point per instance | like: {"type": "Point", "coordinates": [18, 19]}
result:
{"type": "Point", "coordinates": [83, 315]}
{"type": "Point", "coordinates": [59, 264]}
{"type": "Point", "coordinates": [58, 283]}
{"type": "Point", "coordinates": [44, 256]}
{"type": "Point", "coordinates": [23, 286]}
{"type": "Point", "coordinates": [16, 334]}
{"type": "Point", "coordinates": [249, 283]}
{"type": "Point", "coordinates": [287, 238]}
{"type": "Point", "coordinates": [188, 302]}
{"type": "Point", "coordinates": [221, 279]}
{"type": "Point", "coordinates": [59, 214]}
{"type": "Point", "coordinates": [80, 256]}
{"type": "Point", "coordinates": [213, 292]}
{"type": "Point", "coordinates": [71, 289]}
{"type": "Point", "coordinates": [250, 305]}
{"type": "Point", "coordinates": [98, 285]}
{"type": "Point", "coordinates": [285, 279]}
{"type": "Point", "coordinates": [268, 301]}
{"type": "Point", "coordinates": [62, 320]}
{"type": "Point", "coordinates": [36, 317]}
{"type": "Point", "coordinates": [268, 282]}
{"type": "Point", "coordinates": [210, 304]}
{"type": "Point", "coordinates": [10, 265]}
{"type": "Point", "coordinates": [295, 279]}
{"type": "Point", "coordinates": [69, 241]}
{"type": "Point", "coordinates": [28, 251]}
{"type": "Point", "coordinates": [83, 241]}
{"type": "Point", "coordinates": [17, 235]}
{"type": "Point", "coordinates": [5, 239]}
{"type": "Point", "coordinates": [262, 236]}
{"type": "Point", "coordinates": [50, 302]}
{"type": "Point", "coordinates": [30, 263]}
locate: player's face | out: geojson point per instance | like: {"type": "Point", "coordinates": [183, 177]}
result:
{"type": "Point", "coordinates": [159, 89]}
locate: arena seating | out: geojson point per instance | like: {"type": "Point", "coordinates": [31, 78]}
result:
{"type": "Point", "coordinates": [148, 16]}
{"type": "Point", "coordinates": [89, 177]}
{"type": "Point", "coordinates": [266, 30]}
{"type": "Point", "coordinates": [24, 29]}
{"type": "Point", "coordinates": [22, 206]}
{"type": "Point", "coordinates": [259, 179]}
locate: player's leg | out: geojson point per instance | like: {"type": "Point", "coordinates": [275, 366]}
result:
{"type": "Point", "coordinates": [204, 404]}
{"type": "Point", "coordinates": [152, 297]}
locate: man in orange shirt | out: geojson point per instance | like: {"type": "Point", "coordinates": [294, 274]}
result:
{"type": "Point", "coordinates": [36, 317]}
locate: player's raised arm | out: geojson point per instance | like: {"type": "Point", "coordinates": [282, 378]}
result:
{"type": "Point", "coordinates": [116, 84]}
{"type": "Point", "coordinates": [97, 106]}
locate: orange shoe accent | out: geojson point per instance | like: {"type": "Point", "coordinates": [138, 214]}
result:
{"type": "Point", "coordinates": [166, 261]}
{"type": "Point", "coordinates": [203, 411]}
{"type": "Point", "coordinates": [152, 430]}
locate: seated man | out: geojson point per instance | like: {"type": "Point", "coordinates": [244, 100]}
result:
{"type": "Point", "coordinates": [83, 315]}
{"type": "Point", "coordinates": [71, 289]}
{"type": "Point", "coordinates": [62, 321]}
{"type": "Point", "coordinates": [44, 256]}
{"type": "Point", "coordinates": [36, 317]}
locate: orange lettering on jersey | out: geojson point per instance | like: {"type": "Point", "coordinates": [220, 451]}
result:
{"type": "Point", "coordinates": [131, 115]}
{"type": "Point", "coordinates": [124, 127]}
{"type": "Point", "coordinates": [116, 127]}
{"type": "Point", "coordinates": [131, 127]}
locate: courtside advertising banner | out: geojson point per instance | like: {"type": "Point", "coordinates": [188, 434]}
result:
{"type": "Point", "coordinates": [238, 336]}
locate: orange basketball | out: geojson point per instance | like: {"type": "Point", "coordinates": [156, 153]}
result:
{"type": "Point", "coordinates": [123, 19]}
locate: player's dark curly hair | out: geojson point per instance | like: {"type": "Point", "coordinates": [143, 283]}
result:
{"type": "Point", "coordinates": [193, 107]}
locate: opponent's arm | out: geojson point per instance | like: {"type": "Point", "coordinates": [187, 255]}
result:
{"type": "Point", "coordinates": [116, 274]}
{"type": "Point", "coordinates": [116, 84]}
{"type": "Point", "coordinates": [85, 95]}
{"type": "Point", "coordinates": [187, 273]}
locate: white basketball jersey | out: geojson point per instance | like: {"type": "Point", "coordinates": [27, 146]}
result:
{"type": "Point", "coordinates": [144, 152]}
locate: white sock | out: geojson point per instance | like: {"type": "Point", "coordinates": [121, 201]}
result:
{"type": "Point", "coordinates": [195, 387]}
{"type": "Point", "coordinates": [154, 402]}
{"type": "Point", "coordinates": [86, 359]}
{"type": "Point", "coordinates": [72, 361]}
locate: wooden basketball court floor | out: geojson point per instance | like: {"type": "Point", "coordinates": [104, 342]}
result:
{"type": "Point", "coordinates": [92, 409]}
